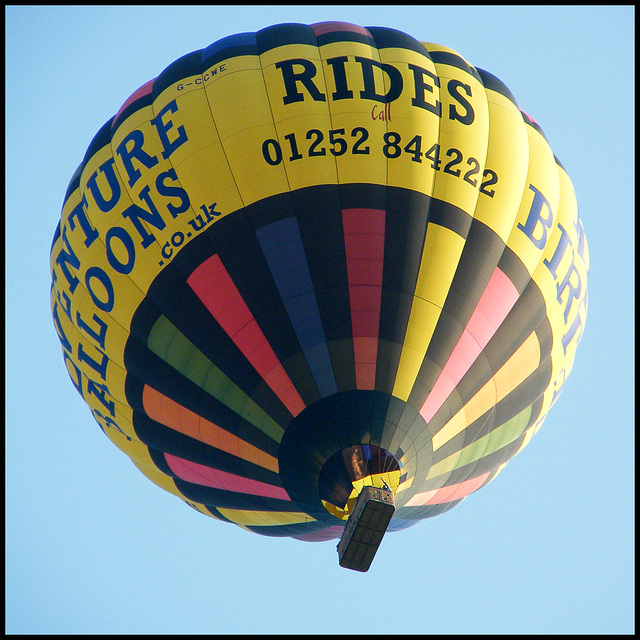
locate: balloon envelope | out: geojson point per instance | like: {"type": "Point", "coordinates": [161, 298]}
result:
{"type": "Point", "coordinates": [314, 258]}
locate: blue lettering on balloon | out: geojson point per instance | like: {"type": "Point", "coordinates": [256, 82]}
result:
{"type": "Point", "coordinates": [539, 219]}
{"type": "Point", "coordinates": [67, 257]}
{"type": "Point", "coordinates": [558, 254]}
{"type": "Point", "coordinates": [101, 391]}
{"type": "Point", "coordinates": [99, 334]}
{"type": "Point", "coordinates": [135, 151]}
{"type": "Point", "coordinates": [114, 186]}
{"type": "Point", "coordinates": [163, 128]}
{"type": "Point", "coordinates": [77, 380]}
{"type": "Point", "coordinates": [79, 213]}
{"type": "Point", "coordinates": [99, 366]}
{"type": "Point", "coordinates": [152, 217]}
{"type": "Point", "coordinates": [574, 329]}
{"type": "Point", "coordinates": [96, 273]}
{"type": "Point", "coordinates": [62, 336]}
{"type": "Point", "coordinates": [173, 191]}
{"type": "Point", "coordinates": [125, 240]}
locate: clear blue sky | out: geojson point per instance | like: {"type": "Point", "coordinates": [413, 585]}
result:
{"type": "Point", "coordinates": [93, 547]}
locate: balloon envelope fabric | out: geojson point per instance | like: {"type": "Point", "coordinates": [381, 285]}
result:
{"type": "Point", "coordinates": [313, 258]}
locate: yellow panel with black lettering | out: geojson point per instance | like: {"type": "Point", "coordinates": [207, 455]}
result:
{"type": "Point", "coordinates": [297, 94]}
{"type": "Point", "coordinates": [360, 154]}
{"type": "Point", "coordinates": [342, 73]}
{"type": "Point", "coordinates": [294, 78]}
{"type": "Point", "coordinates": [309, 147]}
{"type": "Point", "coordinates": [353, 136]}
{"type": "Point", "coordinates": [290, 97]}
{"type": "Point", "coordinates": [413, 118]}
{"type": "Point", "coordinates": [460, 153]}
{"type": "Point", "coordinates": [504, 177]}
{"type": "Point", "coordinates": [256, 162]}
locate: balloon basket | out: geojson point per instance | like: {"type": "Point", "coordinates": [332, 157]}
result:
{"type": "Point", "coordinates": [365, 528]}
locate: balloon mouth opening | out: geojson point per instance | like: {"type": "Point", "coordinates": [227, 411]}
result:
{"type": "Point", "coordinates": [347, 472]}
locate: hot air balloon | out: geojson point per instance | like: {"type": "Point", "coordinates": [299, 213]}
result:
{"type": "Point", "coordinates": [317, 275]}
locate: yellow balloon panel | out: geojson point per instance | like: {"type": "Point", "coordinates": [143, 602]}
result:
{"type": "Point", "coordinates": [539, 205]}
{"type": "Point", "coordinates": [440, 256]}
{"type": "Point", "coordinates": [506, 166]}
